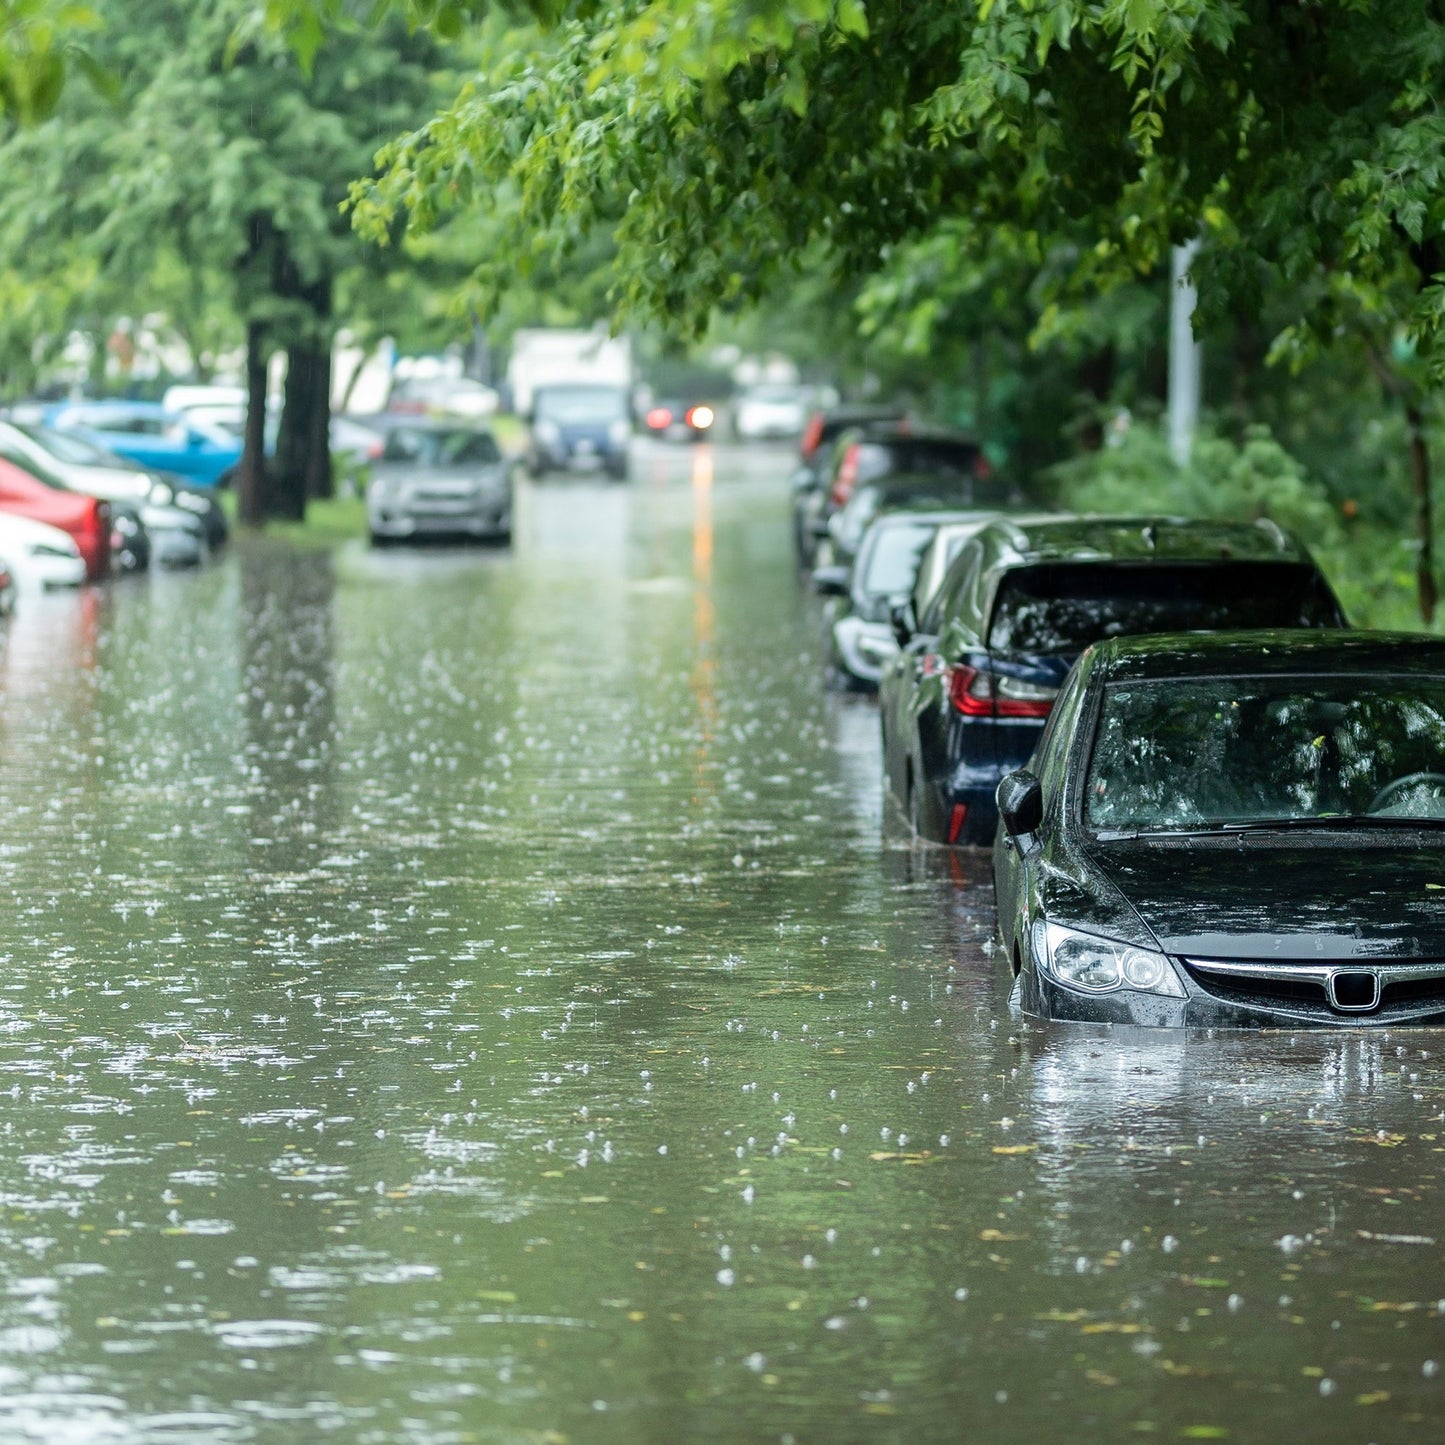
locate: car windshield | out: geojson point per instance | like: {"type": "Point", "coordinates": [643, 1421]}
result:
{"type": "Point", "coordinates": [440, 447]}
{"type": "Point", "coordinates": [71, 448]}
{"type": "Point", "coordinates": [893, 561]}
{"type": "Point", "coordinates": [581, 404]}
{"type": "Point", "coordinates": [1179, 755]}
{"type": "Point", "coordinates": [1063, 607]}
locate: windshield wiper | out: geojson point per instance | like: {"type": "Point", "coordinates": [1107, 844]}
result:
{"type": "Point", "coordinates": [1274, 825]}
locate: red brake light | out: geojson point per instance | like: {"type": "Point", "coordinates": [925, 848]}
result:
{"type": "Point", "coordinates": [980, 694]}
{"type": "Point", "coordinates": [847, 477]}
{"type": "Point", "coordinates": [659, 417]}
{"type": "Point", "coordinates": [812, 435]}
{"type": "Point", "coordinates": [969, 692]}
{"type": "Point", "coordinates": [982, 468]}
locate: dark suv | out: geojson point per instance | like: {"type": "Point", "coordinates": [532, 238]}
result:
{"type": "Point", "coordinates": [965, 700]}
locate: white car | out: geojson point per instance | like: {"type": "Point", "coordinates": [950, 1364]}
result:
{"type": "Point", "coordinates": [771, 412]}
{"type": "Point", "coordinates": [181, 520]}
{"type": "Point", "coordinates": [39, 555]}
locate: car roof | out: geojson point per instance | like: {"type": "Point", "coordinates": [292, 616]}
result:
{"type": "Point", "coordinates": [1278, 652]}
{"type": "Point", "coordinates": [1063, 538]}
{"type": "Point", "coordinates": [397, 420]}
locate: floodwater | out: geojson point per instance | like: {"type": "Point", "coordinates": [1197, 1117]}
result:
{"type": "Point", "coordinates": [475, 996]}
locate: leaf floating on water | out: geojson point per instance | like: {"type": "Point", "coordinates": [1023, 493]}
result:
{"type": "Point", "coordinates": [1374, 1397]}
{"type": "Point", "coordinates": [1014, 1148]}
{"type": "Point", "coordinates": [1111, 1327]}
{"type": "Point", "coordinates": [1205, 1432]}
{"type": "Point", "coordinates": [920, 1157]}
{"type": "Point", "coordinates": [1395, 1239]}
{"type": "Point", "coordinates": [997, 1236]}
{"type": "Point", "coordinates": [1436, 887]}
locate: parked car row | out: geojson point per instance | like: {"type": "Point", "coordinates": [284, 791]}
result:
{"type": "Point", "coordinates": [72, 512]}
{"type": "Point", "coordinates": [1171, 740]}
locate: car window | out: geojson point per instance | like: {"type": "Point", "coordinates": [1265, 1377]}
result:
{"type": "Point", "coordinates": [892, 561]}
{"type": "Point", "coordinates": [1200, 752]}
{"type": "Point", "coordinates": [1049, 761]}
{"type": "Point", "coordinates": [581, 404]}
{"type": "Point", "coordinates": [403, 445]}
{"type": "Point", "coordinates": [466, 447]}
{"type": "Point", "coordinates": [1063, 607]}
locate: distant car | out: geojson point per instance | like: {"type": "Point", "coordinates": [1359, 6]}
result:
{"type": "Point", "coordinates": [809, 482]}
{"type": "Point", "coordinates": [86, 520]}
{"type": "Point", "coordinates": [576, 427]}
{"type": "Point", "coordinates": [859, 633]}
{"type": "Point", "coordinates": [436, 479]}
{"type": "Point", "coordinates": [37, 555]}
{"type": "Point", "coordinates": [967, 697]}
{"type": "Point", "coordinates": [677, 420]}
{"type": "Point", "coordinates": [1233, 831]}
{"type": "Point", "coordinates": [844, 531]}
{"type": "Point", "coordinates": [176, 518]}
{"type": "Point", "coordinates": [147, 433]}
{"type": "Point", "coordinates": [771, 412]}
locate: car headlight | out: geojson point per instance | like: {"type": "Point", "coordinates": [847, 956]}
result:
{"type": "Point", "coordinates": [546, 432]}
{"type": "Point", "coordinates": [162, 494]}
{"type": "Point", "coordinates": [1094, 964]}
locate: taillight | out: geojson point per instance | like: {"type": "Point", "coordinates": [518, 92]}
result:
{"type": "Point", "coordinates": [847, 477]}
{"type": "Point", "coordinates": [982, 694]}
{"type": "Point", "coordinates": [659, 417]}
{"type": "Point", "coordinates": [969, 692]}
{"type": "Point", "coordinates": [812, 435]}
{"type": "Point", "coordinates": [374, 450]}
{"type": "Point", "coordinates": [982, 468]}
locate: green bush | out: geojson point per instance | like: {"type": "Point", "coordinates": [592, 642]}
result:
{"type": "Point", "coordinates": [1370, 566]}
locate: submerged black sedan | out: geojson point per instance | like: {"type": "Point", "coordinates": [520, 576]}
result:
{"type": "Point", "coordinates": [1238, 830]}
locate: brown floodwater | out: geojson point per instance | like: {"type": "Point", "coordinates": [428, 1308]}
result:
{"type": "Point", "coordinates": [477, 996]}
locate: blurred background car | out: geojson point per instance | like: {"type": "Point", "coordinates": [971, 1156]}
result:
{"type": "Point", "coordinates": [842, 534]}
{"type": "Point", "coordinates": [815, 452]}
{"type": "Point", "coordinates": [859, 639]}
{"type": "Point", "coordinates": [177, 532]}
{"type": "Point", "coordinates": [438, 479]}
{"type": "Point", "coordinates": [145, 432]}
{"type": "Point", "coordinates": [446, 396]}
{"type": "Point", "coordinates": [38, 555]}
{"type": "Point", "coordinates": [771, 412]}
{"type": "Point", "coordinates": [675, 420]}
{"type": "Point", "coordinates": [580, 427]}
{"type": "Point", "coordinates": [85, 519]}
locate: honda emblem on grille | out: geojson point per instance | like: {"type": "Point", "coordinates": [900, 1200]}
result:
{"type": "Point", "coordinates": [1354, 991]}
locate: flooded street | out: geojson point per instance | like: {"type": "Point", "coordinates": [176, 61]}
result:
{"type": "Point", "coordinates": [474, 996]}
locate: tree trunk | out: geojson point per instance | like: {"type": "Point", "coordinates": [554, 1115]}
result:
{"type": "Point", "coordinates": [318, 450]}
{"type": "Point", "coordinates": [288, 495]}
{"type": "Point", "coordinates": [251, 490]}
{"type": "Point", "coordinates": [1424, 509]}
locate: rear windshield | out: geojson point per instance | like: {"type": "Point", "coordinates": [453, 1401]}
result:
{"type": "Point", "coordinates": [893, 562]}
{"type": "Point", "coordinates": [1063, 607]}
{"type": "Point", "coordinates": [932, 457]}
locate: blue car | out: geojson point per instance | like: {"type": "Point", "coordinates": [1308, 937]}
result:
{"type": "Point", "coordinates": [146, 433]}
{"type": "Point", "coordinates": [968, 696]}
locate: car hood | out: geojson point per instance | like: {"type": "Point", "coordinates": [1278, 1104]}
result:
{"type": "Point", "coordinates": [1353, 898]}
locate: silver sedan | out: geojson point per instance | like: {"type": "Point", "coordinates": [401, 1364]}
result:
{"type": "Point", "coordinates": [437, 479]}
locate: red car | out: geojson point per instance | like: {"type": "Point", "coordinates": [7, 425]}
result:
{"type": "Point", "coordinates": [85, 518]}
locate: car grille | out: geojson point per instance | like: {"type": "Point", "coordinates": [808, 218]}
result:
{"type": "Point", "coordinates": [1335, 992]}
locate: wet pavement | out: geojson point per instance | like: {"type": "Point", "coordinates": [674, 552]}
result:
{"type": "Point", "coordinates": [475, 996]}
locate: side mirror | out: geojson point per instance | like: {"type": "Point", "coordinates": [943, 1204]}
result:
{"type": "Point", "coordinates": [903, 622]}
{"type": "Point", "coordinates": [831, 581]}
{"type": "Point", "coordinates": [1020, 800]}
